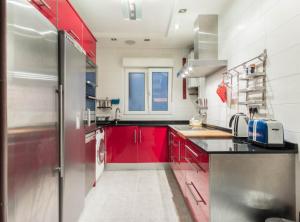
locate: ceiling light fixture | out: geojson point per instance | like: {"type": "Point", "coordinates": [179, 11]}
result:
{"type": "Point", "coordinates": [132, 9]}
{"type": "Point", "coordinates": [130, 42]}
{"type": "Point", "coordinates": [182, 10]}
{"type": "Point", "coordinates": [176, 26]}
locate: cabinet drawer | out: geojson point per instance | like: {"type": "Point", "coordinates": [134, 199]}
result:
{"type": "Point", "coordinates": [48, 8]}
{"type": "Point", "coordinates": [197, 178]}
{"type": "Point", "coordinates": [196, 203]}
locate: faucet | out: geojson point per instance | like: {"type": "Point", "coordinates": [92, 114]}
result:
{"type": "Point", "coordinates": [116, 114]}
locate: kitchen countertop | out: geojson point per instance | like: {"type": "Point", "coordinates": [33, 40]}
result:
{"type": "Point", "coordinates": [141, 122]}
{"type": "Point", "coordinates": [226, 146]}
{"type": "Point", "coordinates": [223, 145]}
{"type": "Point", "coordinates": [91, 128]}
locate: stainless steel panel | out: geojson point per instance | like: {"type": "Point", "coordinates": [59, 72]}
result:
{"type": "Point", "coordinates": [3, 140]}
{"type": "Point", "coordinates": [73, 79]}
{"type": "Point", "coordinates": [32, 115]}
{"type": "Point", "coordinates": [206, 37]}
{"type": "Point", "coordinates": [251, 188]}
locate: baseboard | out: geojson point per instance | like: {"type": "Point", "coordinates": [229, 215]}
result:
{"type": "Point", "coordinates": [136, 166]}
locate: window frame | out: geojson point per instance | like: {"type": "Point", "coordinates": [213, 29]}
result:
{"type": "Point", "coordinates": [148, 91]}
{"type": "Point", "coordinates": [127, 111]}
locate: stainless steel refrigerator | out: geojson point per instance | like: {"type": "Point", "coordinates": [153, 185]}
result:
{"type": "Point", "coordinates": [72, 63]}
{"type": "Point", "coordinates": [32, 115]}
{"type": "Point", "coordinates": [43, 85]}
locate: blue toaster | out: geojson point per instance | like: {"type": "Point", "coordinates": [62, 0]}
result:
{"type": "Point", "coordinates": [266, 133]}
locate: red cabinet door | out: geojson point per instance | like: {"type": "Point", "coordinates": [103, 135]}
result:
{"type": "Point", "coordinates": [89, 43]}
{"type": "Point", "coordinates": [121, 144]}
{"type": "Point", "coordinates": [176, 152]}
{"type": "Point", "coordinates": [197, 183]}
{"type": "Point", "coordinates": [48, 8]}
{"type": "Point", "coordinates": [152, 144]}
{"type": "Point", "coordinates": [69, 20]}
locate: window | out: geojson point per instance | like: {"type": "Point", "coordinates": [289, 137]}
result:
{"type": "Point", "coordinates": [148, 91]}
{"type": "Point", "coordinates": [136, 91]}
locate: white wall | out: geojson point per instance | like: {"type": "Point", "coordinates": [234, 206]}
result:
{"type": "Point", "coordinates": [112, 80]}
{"type": "Point", "coordinates": [246, 28]}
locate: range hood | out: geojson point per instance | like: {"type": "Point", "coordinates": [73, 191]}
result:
{"type": "Point", "coordinates": [203, 60]}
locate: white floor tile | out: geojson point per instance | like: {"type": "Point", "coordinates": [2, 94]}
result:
{"type": "Point", "coordinates": [135, 196]}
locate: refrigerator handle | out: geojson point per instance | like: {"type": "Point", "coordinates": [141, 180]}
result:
{"type": "Point", "coordinates": [61, 130]}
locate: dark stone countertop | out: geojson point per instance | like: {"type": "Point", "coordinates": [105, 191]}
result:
{"type": "Point", "coordinates": [142, 123]}
{"type": "Point", "coordinates": [231, 146]}
{"type": "Point", "coordinates": [91, 128]}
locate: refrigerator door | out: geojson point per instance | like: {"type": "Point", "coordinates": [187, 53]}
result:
{"type": "Point", "coordinates": [72, 78]}
{"type": "Point", "coordinates": [33, 148]}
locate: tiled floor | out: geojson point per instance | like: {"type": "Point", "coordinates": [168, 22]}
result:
{"type": "Point", "coordinates": [136, 196]}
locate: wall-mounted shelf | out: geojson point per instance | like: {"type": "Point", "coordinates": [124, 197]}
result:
{"type": "Point", "coordinates": [253, 76]}
{"type": "Point", "coordinates": [103, 107]}
{"type": "Point", "coordinates": [251, 90]}
{"type": "Point", "coordinates": [251, 80]}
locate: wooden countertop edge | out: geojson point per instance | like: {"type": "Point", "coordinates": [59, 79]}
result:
{"type": "Point", "coordinates": [228, 136]}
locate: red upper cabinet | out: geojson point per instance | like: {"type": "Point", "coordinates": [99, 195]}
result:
{"type": "Point", "coordinates": [69, 21]}
{"type": "Point", "coordinates": [89, 44]}
{"type": "Point", "coordinates": [153, 144]}
{"type": "Point", "coordinates": [121, 144]}
{"type": "Point", "coordinates": [48, 8]}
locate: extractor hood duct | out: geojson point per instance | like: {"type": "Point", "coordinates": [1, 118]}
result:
{"type": "Point", "coordinates": [203, 60]}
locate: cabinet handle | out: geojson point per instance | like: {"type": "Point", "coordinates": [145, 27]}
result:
{"type": "Point", "coordinates": [134, 136]}
{"type": "Point", "coordinates": [195, 154]}
{"type": "Point", "coordinates": [140, 136]}
{"type": "Point", "coordinates": [74, 34]}
{"type": "Point", "coordinates": [44, 4]}
{"type": "Point", "coordinates": [61, 132]}
{"type": "Point", "coordinates": [90, 53]}
{"type": "Point", "coordinates": [189, 185]}
{"type": "Point", "coordinates": [179, 157]}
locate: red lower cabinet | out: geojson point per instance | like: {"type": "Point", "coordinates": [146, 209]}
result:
{"type": "Point", "coordinates": [176, 147]}
{"type": "Point", "coordinates": [121, 144]}
{"type": "Point", "coordinates": [133, 144]}
{"type": "Point", "coordinates": [191, 168]}
{"type": "Point", "coordinates": [197, 183]}
{"type": "Point", "coordinates": [152, 144]}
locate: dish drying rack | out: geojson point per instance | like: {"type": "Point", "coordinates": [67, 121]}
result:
{"type": "Point", "coordinates": [251, 84]}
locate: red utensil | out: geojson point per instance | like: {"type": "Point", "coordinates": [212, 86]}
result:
{"type": "Point", "coordinates": [222, 92]}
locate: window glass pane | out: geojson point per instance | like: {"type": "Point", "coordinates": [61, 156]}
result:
{"type": "Point", "coordinates": [136, 91]}
{"type": "Point", "coordinates": [159, 91]}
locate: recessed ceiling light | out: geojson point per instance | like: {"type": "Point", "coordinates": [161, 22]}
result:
{"type": "Point", "coordinates": [130, 42]}
{"type": "Point", "coordinates": [113, 39]}
{"type": "Point", "coordinates": [147, 40]}
{"type": "Point", "coordinates": [176, 26]}
{"type": "Point", "coordinates": [182, 10]}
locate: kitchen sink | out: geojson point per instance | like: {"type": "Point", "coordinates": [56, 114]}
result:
{"type": "Point", "coordinates": [189, 128]}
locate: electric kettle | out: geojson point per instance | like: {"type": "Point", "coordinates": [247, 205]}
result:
{"type": "Point", "coordinates": [239, 125]}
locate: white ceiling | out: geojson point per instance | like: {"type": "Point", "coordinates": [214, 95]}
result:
{"type": "Point", "coordinates": [159, 18]}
